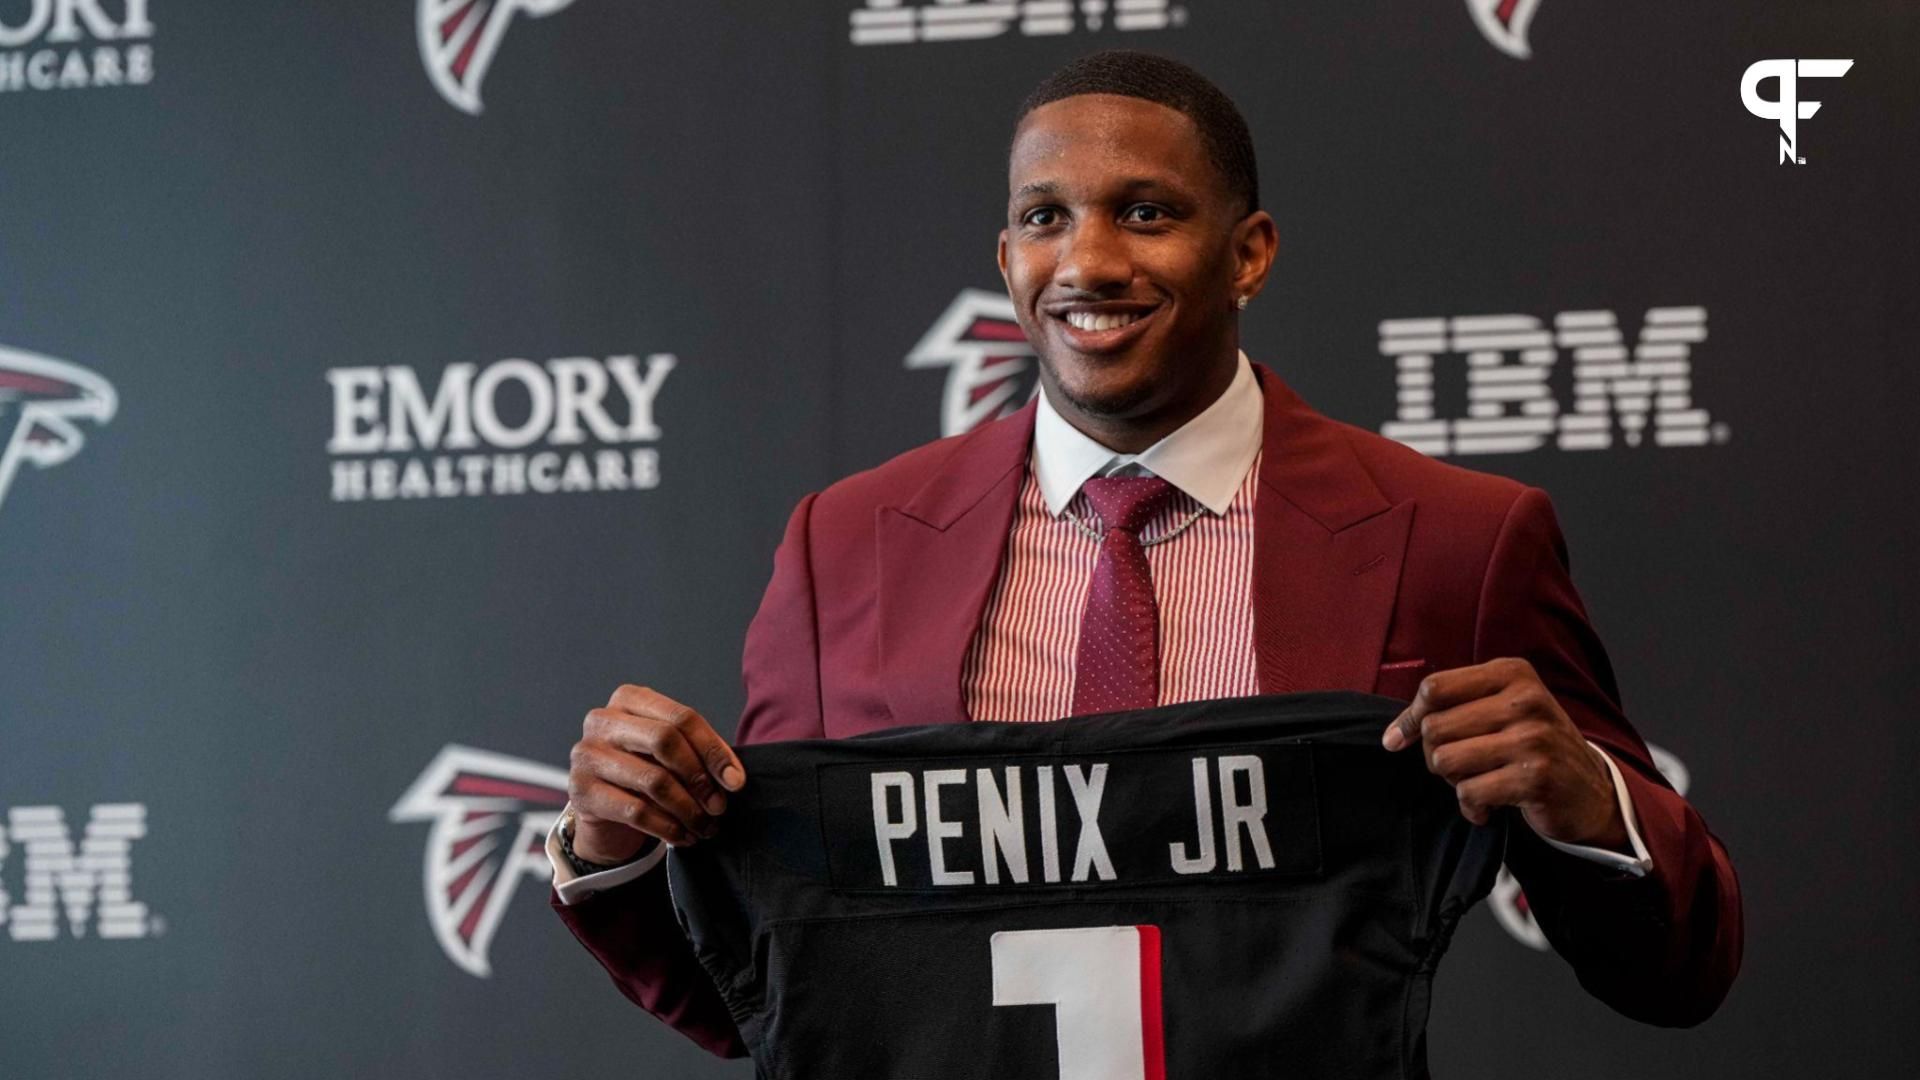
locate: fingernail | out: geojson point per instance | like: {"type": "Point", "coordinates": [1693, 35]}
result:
{"type": "Point", "coordinates": [715, 804]}
{"type": "Point", "coordinates": [1391, 738]}
{"type": "Point", "coordinates": [731, 776]}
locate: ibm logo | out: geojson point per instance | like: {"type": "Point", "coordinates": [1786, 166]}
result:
{"type": "Point", "coordinates": [1646, 391]}
{"type": "Point", "coordinates": [892, 22]}
{"type": "Point", "coordinates": [93, 885]}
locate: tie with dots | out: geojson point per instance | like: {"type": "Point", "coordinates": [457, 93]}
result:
{"type": "Point", "coordinates": [1117, 665]}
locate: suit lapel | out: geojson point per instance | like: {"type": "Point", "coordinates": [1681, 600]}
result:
{"type": "Point", "coordinates": [939, 555]}
{"type": "Point", "coordinates": [1327, 553]}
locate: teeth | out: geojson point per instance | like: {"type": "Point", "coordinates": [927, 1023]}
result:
{"type": "Point", "coordinates": [1087, 320]}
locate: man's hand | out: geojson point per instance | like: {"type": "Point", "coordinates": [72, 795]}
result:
{"type": "Point", "coordinates": [647, 765]}
{"type": "Point", "coordinates": [1495, 733]}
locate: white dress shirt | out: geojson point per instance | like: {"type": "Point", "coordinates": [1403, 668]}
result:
{"type": "Point", "coordinates": [1207, 458]}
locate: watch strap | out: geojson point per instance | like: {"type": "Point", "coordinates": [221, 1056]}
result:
{"type": "Point", "coordinates": [580, 866]}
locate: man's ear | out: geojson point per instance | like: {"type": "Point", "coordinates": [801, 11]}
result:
{"type": "Point", "coordinates": [1256, 240]}
{"type": "Point", "coordinates": [1002, 257]}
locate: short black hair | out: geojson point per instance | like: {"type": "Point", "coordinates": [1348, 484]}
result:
{"type": "Point", "coordinates": [1168, 82]}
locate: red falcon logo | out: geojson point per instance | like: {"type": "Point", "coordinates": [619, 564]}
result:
{"type": "Point", "coordinates": [43, 401]}
{"type": "Point", "coordinates": [490, 816]}
{"type": "Point", "coordinates": [1505, 22]}
{"type": "Point", "coordinates": [992, 372]}
{"type": "Point", "coordinates": [1509, 904]}
{"type": "Point", "coordinates": [459, 37]}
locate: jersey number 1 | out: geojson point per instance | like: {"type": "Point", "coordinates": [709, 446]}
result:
{"type": "Point", "coordinates": [1104, 985]}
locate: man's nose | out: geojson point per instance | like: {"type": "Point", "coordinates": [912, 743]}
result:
{"type": "Point", "coordinates": [1096, 259]}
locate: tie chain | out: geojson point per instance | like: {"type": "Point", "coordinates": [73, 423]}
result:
{"type": "Point", "coordinates": [1098, 537]}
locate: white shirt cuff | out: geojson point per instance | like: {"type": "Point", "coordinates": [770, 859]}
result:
{"type": "Point", "coordinates": [573, 888]}
{"type": "Point", "coordinates": [1636, 864]}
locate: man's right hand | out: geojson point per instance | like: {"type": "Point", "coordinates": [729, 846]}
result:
{"type": "Point", "coordinates": [647, 765]}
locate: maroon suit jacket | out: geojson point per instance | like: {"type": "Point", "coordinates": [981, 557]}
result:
{"type": "Point", "coordinates": [1373, 565]}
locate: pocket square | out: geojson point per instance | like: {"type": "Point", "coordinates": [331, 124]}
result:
{"type": "Point", "coordinates": [1400, 679]}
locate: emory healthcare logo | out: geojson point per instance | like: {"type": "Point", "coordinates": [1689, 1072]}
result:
{"type": "Point", "coordinates": [1505, 22]}
{"type": "Point", "coordinates": [1787, 109]}
{"type": "Point", "coordinates": [892, 22]}
{"type": "Point", "coordinates": [587, 412]}
{"type": "Point", "coordinates": [84, 45]}
{"type": "Point", "coordinates": [1509, 903]}
{"type": "Point", "coordinates": [92, 886]}
{"type": "Point", "coordinates": [43, 401]}
{"type": "Point", "coordinates": [490, 815]}
{"type": "Point", "coordinates": [990, 364]}
{"type": "Point", "coordinates": [459, 37]}
{"type": "Point", "coordinates": [1646, 391]}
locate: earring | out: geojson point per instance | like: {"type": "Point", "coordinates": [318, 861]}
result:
{"type": "Point", "coordinates": [1241, 302]}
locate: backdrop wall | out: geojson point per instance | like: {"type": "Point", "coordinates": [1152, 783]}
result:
{"type": "Point", "coordinates": [382, 384]}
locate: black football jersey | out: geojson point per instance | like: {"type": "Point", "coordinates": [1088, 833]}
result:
{"type": "Point", "coordinates": [1248, 887]}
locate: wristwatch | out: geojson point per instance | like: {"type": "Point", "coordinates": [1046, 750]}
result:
{"type": "Point", "coordinates": [580, 866]}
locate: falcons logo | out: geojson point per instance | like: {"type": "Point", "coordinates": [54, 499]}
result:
{"type": "Point", "coordinates": [490, 815]}
{"type": "Point", "coordinates": [992, 372]}
{"type": "Point", "coordinates": [1510, 904]}
{"type": "Point", "coordinates": [42, 402]}
{"type": "Point", "coordinates": [1504, 22]}
{"type": "Point", "coordinates": [459, 37]}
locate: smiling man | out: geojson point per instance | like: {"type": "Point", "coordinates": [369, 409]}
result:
{"type": "Point", "coordinates": [1133, 238]}
{"type": "Point", "coordinates": [1168, 522]}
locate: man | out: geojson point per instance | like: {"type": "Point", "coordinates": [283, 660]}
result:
{"type": "Point", "coordinates": [993, 576]}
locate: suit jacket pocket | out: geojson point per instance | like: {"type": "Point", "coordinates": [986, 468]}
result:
{"type": "Point", "coordinates": [1401, 678]}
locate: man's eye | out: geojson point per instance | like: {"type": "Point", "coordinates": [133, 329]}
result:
{"type": "Point", "coordinates": [1144, 213]}
{"type": "Point", "coordinates": [1041, 217]}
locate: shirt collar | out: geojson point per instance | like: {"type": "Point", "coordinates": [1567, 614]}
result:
{"type": "Point", "coordinates": [1207, 457]}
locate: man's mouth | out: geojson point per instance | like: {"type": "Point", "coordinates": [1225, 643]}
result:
{"type": "Point", "coordinates": [1102, 328]}
{"type": "Point", "coordinates": [1088, 320]}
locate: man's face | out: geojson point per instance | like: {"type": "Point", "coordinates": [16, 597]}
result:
{"type": "Point", "coordinates": [1120, 254]}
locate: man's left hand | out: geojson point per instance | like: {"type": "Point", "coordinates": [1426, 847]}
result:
{"type": "Point", "coordinates": [1496, 734]}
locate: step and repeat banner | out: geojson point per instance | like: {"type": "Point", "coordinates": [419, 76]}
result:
{"type": "Point", "coordinates": [381, 384]}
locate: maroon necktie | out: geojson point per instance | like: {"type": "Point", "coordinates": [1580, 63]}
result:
{"type": "Point", "coordinates": [1117, 665]}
